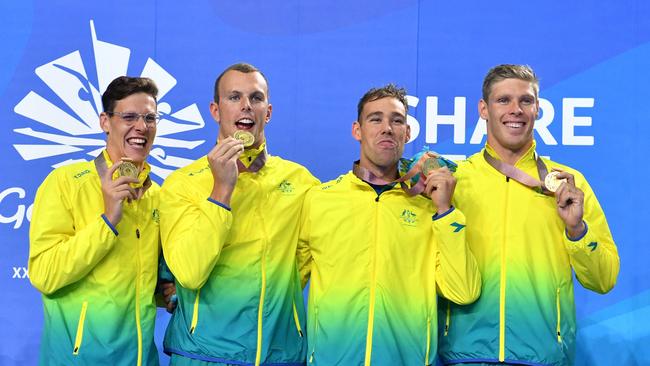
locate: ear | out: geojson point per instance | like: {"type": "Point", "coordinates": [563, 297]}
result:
{"type": "Point", "coordinates": [536, 108]}
{"type": "Point", "coordinates": [214, 111]}
{"type": "Point", "coordinates": [356, 130]}
{"type": "Point", "coordinates": [104, 122]}
{"type": "Point", "coordinates": [483, 109]}
{"type": "Point", "coordinates": [269, 110]}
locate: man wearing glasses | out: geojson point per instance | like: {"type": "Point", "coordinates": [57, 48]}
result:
{"type": "Point", "coordinates": [229, 229]}
{"type": "Point", "coordinates": [94, 241]}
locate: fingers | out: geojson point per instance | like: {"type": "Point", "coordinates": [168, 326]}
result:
{"type": "Point", "coordinates": [111, 171]}
{"type": "Point", "coordinates": [227, 149]}
{"type": "Point", "coordinates": [565, 175]}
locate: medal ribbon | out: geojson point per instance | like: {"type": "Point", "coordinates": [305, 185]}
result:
{"type": "Point", "coordinates": [102, 167]}
{"type": "Point", "coordinates": [255, 166]}
{"type": "Point", "coordinates": [519, 175]}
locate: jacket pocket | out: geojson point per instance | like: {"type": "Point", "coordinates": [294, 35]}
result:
{"type": "Point", "coordinates": [312, 337]}
{"type": "Point", "coordinates": [80, 328]}
{"type": "Point", "coordinates": [447, 318]}
{"type": "Point", "coordinates": [296, 319]}
{"type": "Point", "coordinates": [559, 315]}
{"type": "Point", "coordinates": [195, 312]}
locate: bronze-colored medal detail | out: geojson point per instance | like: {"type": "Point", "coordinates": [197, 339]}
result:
{"type": "Point", "coordinates": [128, 169]}
{"type": "Point", "coordinates": [429, 165]}
{"type": "Point", "coordinates": [552, 182]}
{"type": "Point", "coordinates": [246, 137]}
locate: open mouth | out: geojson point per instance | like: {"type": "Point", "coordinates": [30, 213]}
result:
{"type": "Point", "coordinates": [515, 125]}
{"type": "Point", "coordinates": [137, 142]}
{"type": "Point", "coordinates": [244, 124]}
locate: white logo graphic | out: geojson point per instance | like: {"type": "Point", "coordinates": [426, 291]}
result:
{"type": "Point", "coordinates": [78, 121]}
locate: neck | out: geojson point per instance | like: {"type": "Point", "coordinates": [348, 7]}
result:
{"type": "Point", "coordinates": [508, 155]}
{"type": "Point", "coordinates": [387, 174]}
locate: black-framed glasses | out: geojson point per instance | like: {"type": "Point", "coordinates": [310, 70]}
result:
{"type": "Point", "coordinates": [150, 119]}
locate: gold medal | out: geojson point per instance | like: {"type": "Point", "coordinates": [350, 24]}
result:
{"type": "Point", "coordinates": [552, 182]}
{"type": "Point", "coordinates": [429, 165]}
{"type": "Point", "coordinates": [246, 137]}
{"type": "Point", "coordinates": [128, 169]}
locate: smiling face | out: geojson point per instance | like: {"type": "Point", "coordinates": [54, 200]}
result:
{"type": "Point", "coordinates": [382, 131]}
{"type": "Point", "coordinates": [131, 141]}
{"type": "Point", "coordinates": [243, 105]}
{"type": "Point", "coordinates": [510, 112]}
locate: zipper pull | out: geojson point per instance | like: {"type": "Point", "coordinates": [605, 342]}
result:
{"type": "Point", "coordinates": [137, 233]}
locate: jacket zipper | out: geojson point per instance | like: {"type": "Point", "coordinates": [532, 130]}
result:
{"type": "Point", "coordinates": [296, 319]}
{"type": "Point", "coordinates": [260, 311]}
{"type": "Point", "coordinates": [371, 307]}
{"type": "Point", "coordinates": [559, 318]}
{"type": "Point", "coordinates": [502, 282]}
{"type": "Point", "coordinates": [426, 354]}
{"type": "Point", "coordinates": [137, 285]}
{"type": "Point", "coordinates": [195, 313]}
{"type": "Point", "coordinates": [80, 329]}
{"type": "Point", "coordinates": [448, 318]}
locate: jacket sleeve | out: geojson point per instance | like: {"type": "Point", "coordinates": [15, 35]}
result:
{"type": "Point", "coordinates": [594, 256]}
{"type": "Point", "coordinates": [304, 258]}
{"type": "Point", "coordinates": [59, 252]}
{"type": "Point", "coordinates": [457, 276]}
{"type": "Point", "coordinates": [193, 231]}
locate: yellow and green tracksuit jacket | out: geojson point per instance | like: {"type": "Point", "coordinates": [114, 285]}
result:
{"type": "Point", "coordinates": [239, 294]}
{"type": "Point", "coordinates": [526, 312]}
{"type": "Point", "coordinates": [377, 265]}
{"type": "Point", "coordinates": [97, 280]}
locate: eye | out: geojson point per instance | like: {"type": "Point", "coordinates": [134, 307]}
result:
{"type": "Point", "coordinates": [258, 98]}
{"type": "Point", "coordinates": [151, 118]}
{"type": "Point", "coordinates": [502, 100]}
{"type": "Point", "coordinates": [234, 97]}
{"type": "Point", "coordinates": [130, 117]}
{"type": "Point", "coordinates": [528, 101]}
{"type": "Point", "coordinates": [399, 121]}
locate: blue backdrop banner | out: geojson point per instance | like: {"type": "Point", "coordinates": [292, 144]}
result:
{"type": "Point", "coordinates": [320, 57]}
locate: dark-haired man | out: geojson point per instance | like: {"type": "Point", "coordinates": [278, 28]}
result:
{"type": "Point", "coordinates": [377, 255]}
{"type": "Point", "coordinates": [229, 227]}
{"type": "Point", "coordinates": [533, 223]}
{"type": "Point", "coordinates": [94, 241]}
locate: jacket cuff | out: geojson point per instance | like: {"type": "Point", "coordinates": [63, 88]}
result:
{"type": "Point", "coordinates": [566, 233]}
{"type": "Point", "coordinates": [223, 205]}
{"type": "Point", "coordinates": [436, 216]}
{"type": "Point", "coordinates": [113, 229]}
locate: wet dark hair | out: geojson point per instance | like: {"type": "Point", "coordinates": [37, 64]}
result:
{"type": "Point", "coordinates": [389, 90]}
{"type": "Point", "coordinates": [124, 86]}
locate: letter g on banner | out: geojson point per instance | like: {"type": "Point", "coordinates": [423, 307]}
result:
{"type": "Point", "coordinates": [20, 214]}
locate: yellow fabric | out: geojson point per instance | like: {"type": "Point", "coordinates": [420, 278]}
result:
{"type": "Point", "coordinates": [75, 258]}
{"type": "Point", "coordinates": [377, 265]}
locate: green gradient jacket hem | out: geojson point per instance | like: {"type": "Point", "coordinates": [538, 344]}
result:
{"type": "Point", "coordinates": [239, 294]}
{"type": "Point", "coordinates": [526, 312]}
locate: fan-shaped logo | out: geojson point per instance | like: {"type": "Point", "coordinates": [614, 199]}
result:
{"type": "Point", "coordinates": [78, 136]}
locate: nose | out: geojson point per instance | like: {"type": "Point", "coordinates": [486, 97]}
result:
{"type": "Point", "coordinates": [516, 109]}
{"type": "Point", "coordinates": [245, 104]}
{"type": "Point", "coordinates": [140, 123]}
{"type": "Point", "coordinates": [386, 127]}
